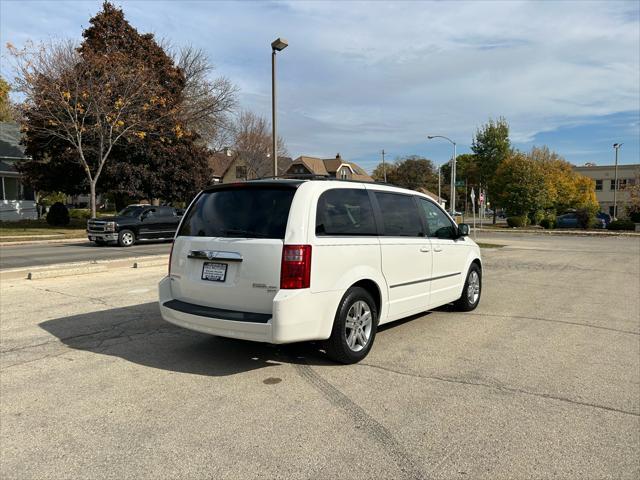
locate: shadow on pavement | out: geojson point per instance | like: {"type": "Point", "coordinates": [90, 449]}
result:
{"type": "Point", "coordinates": [139, 335]}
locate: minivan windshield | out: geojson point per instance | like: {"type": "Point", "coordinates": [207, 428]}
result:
{"type": "Point", "coordinates": [242, 212]}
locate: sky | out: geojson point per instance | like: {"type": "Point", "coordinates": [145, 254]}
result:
{"type": "Point", "coordinates": [359, 77]}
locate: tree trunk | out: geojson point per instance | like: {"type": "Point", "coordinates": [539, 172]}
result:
{"type": "Point", "coordinates": [92, 198]}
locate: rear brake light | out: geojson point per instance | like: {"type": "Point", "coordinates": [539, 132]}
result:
{"type": "Point", "coordinates": [296, 267]}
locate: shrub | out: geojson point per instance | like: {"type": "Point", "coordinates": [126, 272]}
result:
{"type": "Point", "coordinates": [58, 215]}
{"type": "Point", "coordinates": [536, 217]}
{"type": "Point", "coordinates": [521, 221]}
{"type": "Point", "coordinates": [548, 222]}
{"type": "Point", "coordinates": [586, 217]}
{"type": "Point", "coordinates": [634, 216]}
{"type": "Point", "coordinates": [622, 225]}
{"type": "Point", "coordinates": [80, 213]}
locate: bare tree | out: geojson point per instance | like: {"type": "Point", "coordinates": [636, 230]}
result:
{"type": "Point", "coordinates": [206, 101]}
{"type": "Point", "coordinates": [252, 139]}
{"type": "Point", "coordinates": [91, 102]}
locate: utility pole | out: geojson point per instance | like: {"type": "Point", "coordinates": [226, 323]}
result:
{"type": "Point", "coordinates": [384, 167]}
{"type": "Point", "coordinates": [616, 146]}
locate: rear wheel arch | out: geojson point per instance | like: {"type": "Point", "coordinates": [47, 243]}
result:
{"type": "Point", "coordinates": [374, 290]}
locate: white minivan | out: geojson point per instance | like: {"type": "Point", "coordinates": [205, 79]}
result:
{"type": "Point", "coordinates": [286, 260]}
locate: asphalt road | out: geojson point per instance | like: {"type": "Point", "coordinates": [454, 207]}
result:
{"type": "Point", "coordinates": [541, 381]}
{"type": "Point", "coordinates": [51, 253]}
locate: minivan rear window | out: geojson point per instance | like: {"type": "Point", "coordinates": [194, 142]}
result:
{"type": "Point", "coordinates": [242, 212]}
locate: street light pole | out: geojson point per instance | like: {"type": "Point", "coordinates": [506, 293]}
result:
{"type": "Point", "coordinates": [277, 45]}
{"type": "Point", "coordinates": [453, 172]}
{"type": "Point", "coordinates": [616, 146]}
{"type": "Point", "coordinates": [384, 167]}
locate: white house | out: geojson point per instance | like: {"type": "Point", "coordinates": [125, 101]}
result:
{"type": "Point", "coordinates": [17, 202]}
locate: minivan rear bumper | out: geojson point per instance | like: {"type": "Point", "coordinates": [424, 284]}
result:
{"type": "Point", "coordinates": [298, 315]}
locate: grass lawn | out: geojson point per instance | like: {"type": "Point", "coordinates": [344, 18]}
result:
{"type": "Point", "coordinates": [489, 245]}
{"type": "Point", "coordinates": [36, 229]}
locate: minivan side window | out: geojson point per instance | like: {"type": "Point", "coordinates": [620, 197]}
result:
{"type": "Point", "coordinates": [399, 215]}
{"type": "Point", "coordinates": [439, 225]}
{"type": "Point", "coordinates": [345, 211]}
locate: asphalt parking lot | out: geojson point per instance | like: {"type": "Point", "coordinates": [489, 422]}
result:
{"type": "Point", "coordinates": [541, 381]}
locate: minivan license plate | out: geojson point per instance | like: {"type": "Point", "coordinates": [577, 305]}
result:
{"type": "Point", "coordinates": [215, 272]}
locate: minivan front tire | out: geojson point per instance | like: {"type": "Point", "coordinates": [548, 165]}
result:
{"type": "Point", "coordinates": [471, 291]}
{"type": "Point", "coordinates": [354, 327]}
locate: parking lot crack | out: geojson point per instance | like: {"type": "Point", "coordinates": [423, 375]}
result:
{"type": "Point", "coordinates": [502, 388]}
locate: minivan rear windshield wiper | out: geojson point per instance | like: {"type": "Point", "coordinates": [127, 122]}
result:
{"type": "Point", "coordinates": [245, 233]}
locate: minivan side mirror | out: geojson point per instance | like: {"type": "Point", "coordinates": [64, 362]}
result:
{"type": "Point", "coordinates": [463, 230]}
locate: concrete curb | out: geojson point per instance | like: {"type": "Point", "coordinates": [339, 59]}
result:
{"type": "Point", "coordinates": [82, 268]}
{"type": "Point", "coordinates": [38, 242]}
{"type": "Point", "coordinates": [576, 233]}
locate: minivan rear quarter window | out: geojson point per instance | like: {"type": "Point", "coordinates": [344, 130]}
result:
{"type": "Point", "coordinates": [346, 212]}
{"type": "Point", "coordinates": [399, 215]}
{"type": "Point", "coordinates": [240, 212]}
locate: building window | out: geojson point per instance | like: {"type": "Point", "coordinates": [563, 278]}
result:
{"type": "Point", "coordinates": [241, 172]}
{"type": "Point", "coordinates": [622, 183]}
{"type": "Point", "coordinates": [344, 173]}
{"type": "Point", "coordinates": [11, 188]}
{"type": "Point", "coordinates": [599, 185]}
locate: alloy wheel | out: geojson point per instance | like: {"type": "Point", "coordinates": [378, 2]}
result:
{"type": "Point", "coordinates": [473, 287]}
{"type": "Point", "coordinates": [358, 326]}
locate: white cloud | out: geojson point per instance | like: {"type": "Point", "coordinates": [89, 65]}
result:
{"type": "Point", "coordinates": [359, 76]}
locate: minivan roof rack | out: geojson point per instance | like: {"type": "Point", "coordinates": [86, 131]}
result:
{"type": "Point", "coordinates": [314, 176]}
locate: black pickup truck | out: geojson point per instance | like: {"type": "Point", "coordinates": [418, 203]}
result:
{"type": "Point", "coordinates": [133, 223]}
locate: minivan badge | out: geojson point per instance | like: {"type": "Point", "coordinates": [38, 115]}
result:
{"type": "Point", "coordinates": [211, 255]}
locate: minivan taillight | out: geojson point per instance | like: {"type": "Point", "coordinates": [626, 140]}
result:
{"type": "Point", "coordinates": [296, 267]}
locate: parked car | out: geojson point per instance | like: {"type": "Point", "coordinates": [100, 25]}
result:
{"type": "Point", "coordinates": [283, 261]}
{"type": "Point", "coordinates": [605, 217]}
{"type": "Point", "coordinates": [570, 220]}
{"type": "Point", "coordinates": [135, 223]}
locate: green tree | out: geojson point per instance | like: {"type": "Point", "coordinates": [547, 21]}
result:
{"type": "Point", "coordinates": [491, 147]}
{"type": "Point", "coordinates": [520, 183]}
{"type": "Point", "coordinates": [379, 172]}
{"type": "Point", "coordinates": [6, 109]}
{"type": "Point", "coordinates": [412, 172]}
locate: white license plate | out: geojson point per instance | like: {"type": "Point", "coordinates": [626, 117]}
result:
{"type": "Point", "coordinates": [215, 272]}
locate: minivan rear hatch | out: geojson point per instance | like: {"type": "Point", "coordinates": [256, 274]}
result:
{"type": "Point", "coordinates": [228, 250]}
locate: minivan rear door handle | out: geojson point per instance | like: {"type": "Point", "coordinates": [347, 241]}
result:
{"type": "Point", "coordinates": [424, 249]}
{"type": "Point", "coordinates": [215, 255]}
{"type": "Point", "coordinates": [437, 249]}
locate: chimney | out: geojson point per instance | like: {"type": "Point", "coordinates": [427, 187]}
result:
{"type": "Point", "coordinates": [338, 157]}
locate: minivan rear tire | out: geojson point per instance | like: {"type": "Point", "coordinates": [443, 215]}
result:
{"type": "Point", "coordinates": [472, 290]}
{"type": "Point", "coordinates": [357, 313]}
